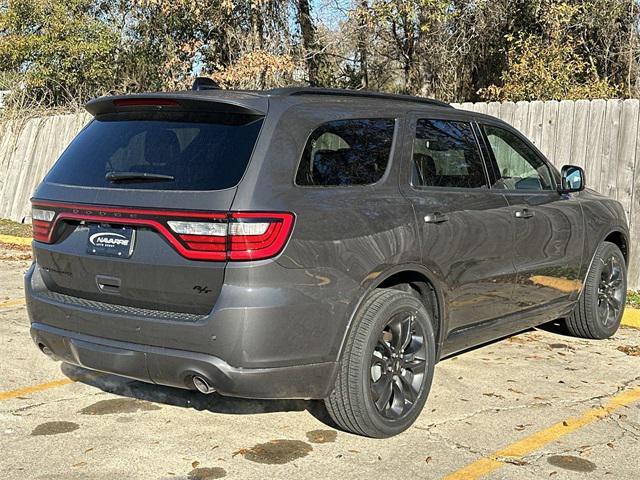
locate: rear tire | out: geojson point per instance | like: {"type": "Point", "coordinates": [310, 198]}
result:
{"type": "Point", "coordinates": [387, 366]}
{"type": "Point", "coordinates": [599, 310]}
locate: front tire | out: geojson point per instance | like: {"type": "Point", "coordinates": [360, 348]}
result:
{"type": "Point", "coordinates": [599, 310]}
{"type": "Point", "coordinates": [387, 366]}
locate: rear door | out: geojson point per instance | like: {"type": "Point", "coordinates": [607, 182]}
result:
{"type": "Point", "coordinates": [135, 211]}
{"type": "Point", "coordinates": [548, 226]}
{"type": "Point", "coordinates": [466, 228]}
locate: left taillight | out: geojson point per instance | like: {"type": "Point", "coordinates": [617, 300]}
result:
{"type": "Point", "coordinates": [42, 222]}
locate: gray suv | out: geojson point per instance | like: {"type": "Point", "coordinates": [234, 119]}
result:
{"type": "Point", "coordinates": [311, 243]}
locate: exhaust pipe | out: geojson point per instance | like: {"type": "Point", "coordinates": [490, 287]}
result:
{"type": "Point", "coordinates": [202, 385]}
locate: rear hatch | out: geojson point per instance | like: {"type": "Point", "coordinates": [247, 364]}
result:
{"type": "Point", "coordinates": [136, 210]}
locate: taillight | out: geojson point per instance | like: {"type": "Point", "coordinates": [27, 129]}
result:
{"type": "Point", "coordinates": [42, 223]}
{"type": "Point", "coordinates": [242, 236]}
{"type": "Point", "coordinates": [255, 236]}
{"type": "Point", "coordinates": [197, 235]}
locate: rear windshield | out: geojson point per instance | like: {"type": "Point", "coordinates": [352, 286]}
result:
{"type": "Point", "coordinates": [176, 151]}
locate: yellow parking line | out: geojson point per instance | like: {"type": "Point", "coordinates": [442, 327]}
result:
{"type": "Point", "coordinates": [13, 240]}
{"type": "Point", "coordinates": [631, 318]}
{"type": "Point", "coordinates": [527, 445]}
{"type": "Point", "coordinates": [12, 303]}
{"type": "Point", "coordinates": [34, 389]}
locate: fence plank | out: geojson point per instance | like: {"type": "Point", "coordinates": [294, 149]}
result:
{"type": "Point", "coordinates": [625, 160]}
{"type": "Point", "coordinates": [609, 164]}
{"type": "Point", "coordinates": [549, 127]}
{"type": "Point", "coordinates": [578, 155]}
{"type": "Point", "coordinates": [564, 135]}
{"type": "Point", "coordinates": [536, 120]}
{"type": "Point", "coordinates": [594, 142]}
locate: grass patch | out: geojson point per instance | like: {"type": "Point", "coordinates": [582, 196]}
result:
{"type": "Point", "coordinates": [8, 227]}
{"type": "Point", "coordinates": [633, 299]}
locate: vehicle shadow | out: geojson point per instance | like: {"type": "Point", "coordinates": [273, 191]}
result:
{"type": "Point", "coordinates": [177, 397]}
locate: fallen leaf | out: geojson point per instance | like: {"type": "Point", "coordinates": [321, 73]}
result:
{"type": "Point", "coordinates": [242, 451]}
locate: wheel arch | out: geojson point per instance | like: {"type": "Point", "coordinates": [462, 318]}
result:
{"type": "Point", "coordinates": [425, 283]}
{"type": "Point", "coordinates": [617, 236]}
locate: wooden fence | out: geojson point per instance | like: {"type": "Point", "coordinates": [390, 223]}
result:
{"type": "Point", "coordinates": [600, 135]}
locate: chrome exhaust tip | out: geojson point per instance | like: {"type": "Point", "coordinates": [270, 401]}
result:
{"type": "Point", "coordinates": [202, 385]}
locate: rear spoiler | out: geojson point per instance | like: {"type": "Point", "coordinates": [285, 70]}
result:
{"type": "Point", "coordinates": [221, 101]}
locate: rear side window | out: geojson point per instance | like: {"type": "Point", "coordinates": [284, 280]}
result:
{"type": "Point", "coordinates": [446, 154]}
{"type": "Point", "coordinates": [195, 151]}
{"type": "Point", "coordinates": [346, 152]}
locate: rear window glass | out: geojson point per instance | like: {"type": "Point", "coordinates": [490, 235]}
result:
{"type": "Point", "coordinates": [184, 151]}
{"type": "Point", "coordinates": [346, 152]}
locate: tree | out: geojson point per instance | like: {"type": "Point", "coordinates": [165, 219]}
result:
{"type": "Point", "coordinates": [549, 65]}
{"type": "Point", "coordinates": [57, 51]}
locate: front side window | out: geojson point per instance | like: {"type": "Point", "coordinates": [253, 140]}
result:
{"type": "Point", "coordinates": [346, 152]}
{"type": "Point", "coordinates": [446, 154]}
{"type": "Point", "coordinates": [519, 167]}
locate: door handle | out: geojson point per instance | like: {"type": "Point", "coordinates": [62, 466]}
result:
{"type": "Point", "coordinates": [524, 213]}
{"type": "Point", "coordinates": [435, 217]}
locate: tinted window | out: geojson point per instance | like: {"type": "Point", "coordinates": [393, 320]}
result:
{"type": "Point", "coordinates": [445, 154]}
{"type": "Point", "coordinates": [346, 152]}
{"type": "Point", "coordinates": [200, 151]}
{"type": "Point", "coordinates": [519, 167]}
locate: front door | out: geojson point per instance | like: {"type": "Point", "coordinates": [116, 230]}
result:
{"type": "Point", "coordinates": [466, 228]}
{"type": "Point", "coordinates": [548, 226]}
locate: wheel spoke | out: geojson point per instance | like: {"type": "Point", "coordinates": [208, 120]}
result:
{"type": "Point", "coordinates": [615, 304]}
{"type": "Point", "coordinates": [382, 391]}
{"type": "Point", "coordinates": [383, 349]}
{"type": "Point", "coordinates": [615, 276]}
{"type": "Point", "coordinates": [411, 394]}
{"type": "Point", "coordinates": [415, 365]}
{"type": "Point", "coordinates": [398, 404]}
{"type": "Point", "coordinates": [402, 333]}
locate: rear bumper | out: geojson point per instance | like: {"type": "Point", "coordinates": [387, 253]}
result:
{"type": "Point", "coordinates": [176, 368]}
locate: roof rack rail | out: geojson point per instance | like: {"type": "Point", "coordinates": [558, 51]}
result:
{"type": "Point", "coordinates": [298, 91]}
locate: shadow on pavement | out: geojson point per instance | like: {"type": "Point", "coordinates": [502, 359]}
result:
{"type": "Point", "coordinates": [191, 399]}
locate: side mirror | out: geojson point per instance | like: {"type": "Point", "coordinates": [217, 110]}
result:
{"type": "Point", "coordinates": [572, 179]}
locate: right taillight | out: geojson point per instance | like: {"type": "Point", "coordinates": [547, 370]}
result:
{"type": "Point", "coordinates": [256, 236]}
{"type": "Point", "coordinates": [241, 236]}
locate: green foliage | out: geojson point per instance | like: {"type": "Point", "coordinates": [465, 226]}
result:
{"type": "Point", "coordinates": [541, 71]}
{"type": "Point", "coordinates": [633, 298]}
{"type": "Point", "coordinates": [549, 65]}
{"type": "Point", "coordinates": [58, 50]}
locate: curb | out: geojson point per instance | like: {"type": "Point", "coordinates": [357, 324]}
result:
{"type": "Point", "coordinates": [631, 318]}
{"type": "Point", "coordinates": [12, 240]}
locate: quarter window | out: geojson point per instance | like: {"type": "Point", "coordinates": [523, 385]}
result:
{"type": "Point", "coordinates": [446, 154]}
{"type": "Point", "coordinates": [346, 152]}
{"type": "Point", "coordinates": [519, 167]}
